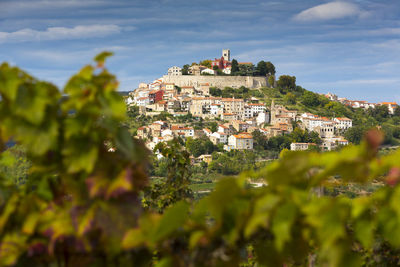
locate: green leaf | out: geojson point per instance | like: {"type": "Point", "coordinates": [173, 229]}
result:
{"type": "Point", "coordinates": [100, 58]}
{"type": "Point", "coordinates": [282, 224]}
{"type": "Point", "coordinates": [172, 220]}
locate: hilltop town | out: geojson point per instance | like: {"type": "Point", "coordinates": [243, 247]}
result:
{"type": "Point", "coordinates": [192, 92]}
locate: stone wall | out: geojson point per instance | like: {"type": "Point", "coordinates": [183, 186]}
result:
{"type": "Point", "coordinates": [217, 81]}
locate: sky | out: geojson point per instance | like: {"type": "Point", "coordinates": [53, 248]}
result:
{"type": "Point", "coordinates": [350, 48]}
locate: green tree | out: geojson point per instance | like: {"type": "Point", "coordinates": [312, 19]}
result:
{"type": "Point", "coordinates": [185, 69]}
{"type": "Point", "coordinates": [290, 98]}
{"type": "Point", "coordinates": [261, 68]}
{"type": "Point", "coordinates": [270, 68]}
{"type": "Point", "coordinates": [234, 67]}
{"type": "Point", "coordinates": [355, 134]}
{"type": "Point", "coordinates": [286, 83]}
{"type": "Point", "coordinates": [310, 99]}
{"type": "Point", "coordinates": [271, 81]}
{"type": "Point", "coordinates": [206, 63]}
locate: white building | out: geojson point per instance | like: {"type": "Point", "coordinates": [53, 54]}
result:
{"type": "Point", "coordinates": [240, 141]}
{"type": "Point", "coordinates": [343, 123]}
{"type": "Point", "coordinates": [252, 110]}
{"type": "Point", "coordinates": [300, 146]}
{"type": "Point", "coordinates": [174, 71]}
{"type": "Point", "coordinates": [227, 70]}
{"type": "Point", "coordinates": [142, 101]}
{"type": "Point", "coordinates": [208, 71]}
{"type": "Point", "coordinates": [221, 137]}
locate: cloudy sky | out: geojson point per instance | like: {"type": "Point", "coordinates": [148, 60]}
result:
{"type": "Point", "coordinates": [351, 48]}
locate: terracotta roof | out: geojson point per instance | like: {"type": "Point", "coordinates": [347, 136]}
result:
{"type": "Point", "coordinates": [389, 103]}
{"type": "Point", "coordinates": [243, 136]}
{"type": "Point", "coordinates": [251, 104]}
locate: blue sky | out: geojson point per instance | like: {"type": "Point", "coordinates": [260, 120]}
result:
{"type": "Point", "coordinates": [351, 48]}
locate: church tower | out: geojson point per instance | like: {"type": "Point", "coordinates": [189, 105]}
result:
{"type": "Point", "coordinates": [226, 54]}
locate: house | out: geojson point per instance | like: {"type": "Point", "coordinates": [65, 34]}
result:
{"type": "Point", "coordinates": [240, 126]}
{"type": "Point", "coordinates": [226, 129]}
{"type": "Point", "coordinates": [205, 158]}
{"type": "Point", "coordinates": [168, 86]}
{"type": "Point", "coordinates": [143, 101]}
{"type": "Point", "coordinates": [143, 132]}
{"type": "Point", "coordinates": [221, 63]}
{"type": "Point", "coordinates": [205, 88]}
{"type": "Point", "coordinates": [253, 109]}
{"type": "Point", "coordinates": [326, 130]}
{"type": "Point", "coordinates": [219, 137]}
{"type": "Point", "coordinates": [207, 132]}
{"type": "Point", "coordinates": [391, 106]}
{"type": "Point", "coordinates": [178, 130]}
{"type": "Point", "coordinates": [300, 146]}
{"type": "Point", "coordinates": [228, 116]}
{"type": "Point", "coordinates": [232, 105]}
{"type": "Point", "coordinates": [240, 141]}
{"type": "Point", "coordinates": [174, 71]}
{"type": "Point", "coordinates": [188, 90]}
{"type": "Point", "coordinates": [196, 69]}
{"type": "Point", "coordinates": [343, 123]}
{"type": "Point", "coordinates": [155, 96]}
{"type": "Point", "coordinates": [208, 71]}
{"type": "Point", "coordinates": [227, 70]}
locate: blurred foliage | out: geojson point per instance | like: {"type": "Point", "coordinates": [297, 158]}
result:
{"type": "Point", "coordinates": [82, 202]}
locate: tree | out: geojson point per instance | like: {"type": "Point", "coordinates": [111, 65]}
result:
{"type": "Point", "coordinates": [310, 99]}
{"type": "Point", "coordinates": [199, 146]}
{"type": "Point", "coordinates": [290, 99]}
{"type": "Point", "coordinates": [397, 111]}
{"type": "Point", "coordinates": [246, 70]}
{"type": "Point", "coordinates": [234, 67]}
{"type": "Point", "coordinates": [185, 69]}
{"type": "Point", "coordinates": [271, 81]}
{"type": "Point", "coordinates": [286, 83]}
{"type": "Point", "coordinates": [270, 68]}
{"type": "Point", "coordinates": [354, 134]}
{"type": "Point", "coordinates": [175, 187]}
{"type": "Point", "coordinates": [206, 63]}
{"type": "Point", "coordinates": [261, 68]}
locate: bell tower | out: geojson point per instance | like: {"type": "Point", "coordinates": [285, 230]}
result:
{"type": "Point", "coordinates": [226, 53]}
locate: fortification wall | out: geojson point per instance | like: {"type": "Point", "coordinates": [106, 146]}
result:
{"type": "Point", "coordinates": [216, 81]}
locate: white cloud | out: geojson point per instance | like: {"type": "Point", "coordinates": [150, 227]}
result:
{"type": "Point", "coordinates": [59, 33]}
{"type": "Point", "coordinates": [328, 11]}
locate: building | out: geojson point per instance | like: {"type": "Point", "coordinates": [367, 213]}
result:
{"type": "Point", "coordinates": [187, 90]}
{"type": "Point", "coordinates": [196, 70]}
{"type": "Point", "coordinates": [240, 141]}
{"type": "Point", "coordinates": [226, 54]}
{"type": "Point", "coordinates": [221, 63]}
{"type": "Point", "coordinates": [182, 131]}
{"type": "Point", "coordinates": [391, 106]}
{"type": "Point", "coordinates": [205, 89]}
{"type": "Point", "coordinates": [142, 101]}
{"type": "Point", "coordinates": [253, 109]}
{"type": "Point", "coordinates": [228, 116]}
{"type": "Point", "coordinates": [343, 123]}
{"type": "Point", "coordinates": [208, 71]}
{"type": "Point", "coordinates": [155, 96]}
{"type": "Point", "coordinates": [232, 105]}
{"type": "Point", "coordinates": [174, 71]}
{"type": "Point", "coordinates": [300, 146]}
{"type": "Point", "coordinates": [240, 126]}
{"type": "Point", "coordinates": [219, 138]}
